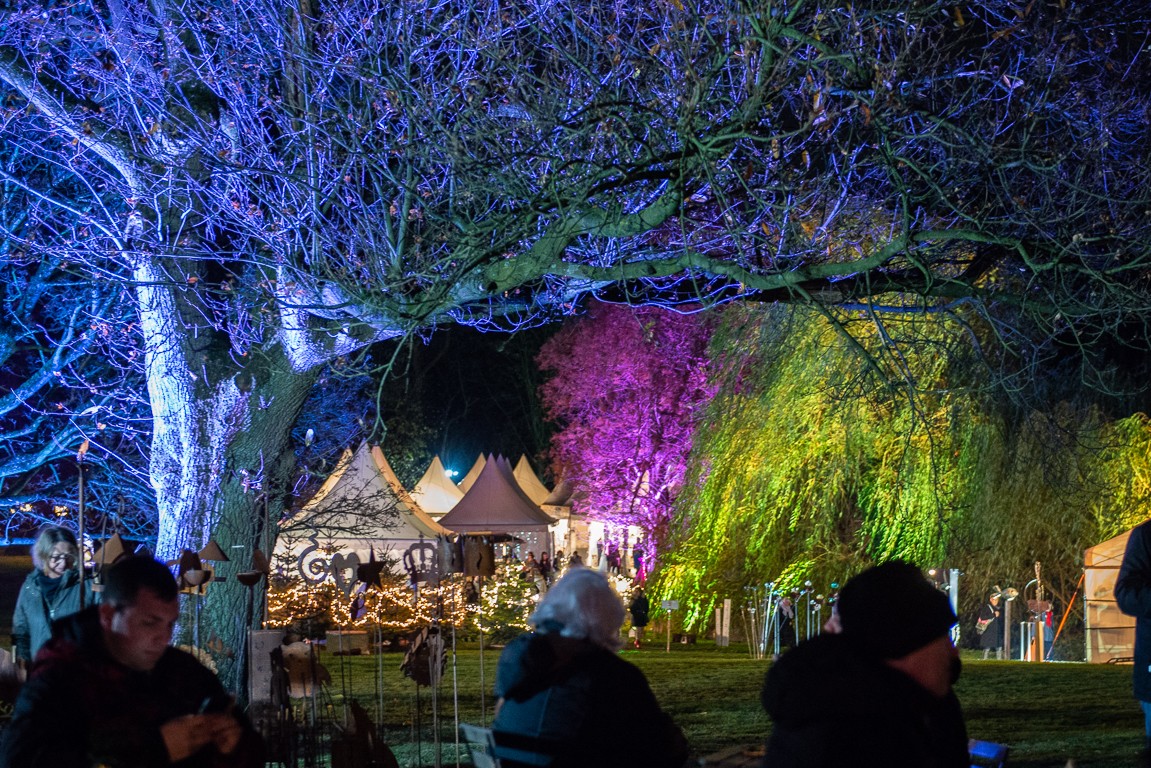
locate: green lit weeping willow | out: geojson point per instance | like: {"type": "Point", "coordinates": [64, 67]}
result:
{"type": "Point", "coordinates": [811, 464]}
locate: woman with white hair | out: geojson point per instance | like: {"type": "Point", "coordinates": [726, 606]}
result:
{"type": "Point", "coordinates": [50, 592]}
{"type": "Point", "coordinates": [567, 699]}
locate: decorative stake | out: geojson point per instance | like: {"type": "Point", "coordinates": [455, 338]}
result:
{"type": "Point", "coordinates": [212, 551]}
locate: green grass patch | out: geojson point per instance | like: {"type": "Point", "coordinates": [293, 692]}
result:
{"type": "Point", "coordinates": [1046, 712]}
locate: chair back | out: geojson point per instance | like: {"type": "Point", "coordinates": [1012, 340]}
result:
{"type": "Point", "coordinates": [480, 745]}
{"type": "Point", "coordinates": [516, 750]}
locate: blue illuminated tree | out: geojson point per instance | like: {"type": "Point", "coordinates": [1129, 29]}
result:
{"type": "Point", "coordinates": [279, 186]}
{"type": "Point", "coordinates": [66, 365]}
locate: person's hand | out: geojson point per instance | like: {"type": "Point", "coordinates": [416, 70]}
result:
{"type": "Point", "coordinates": [185, 736]}
{"type": "Point", "coordinates": [226, 732]}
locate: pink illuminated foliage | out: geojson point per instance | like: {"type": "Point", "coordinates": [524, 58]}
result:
{"type": "Point", "coordinates": [626, 387]}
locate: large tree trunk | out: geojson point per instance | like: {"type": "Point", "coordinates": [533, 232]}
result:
{"type": "Point", "coordinates": [221, 458]}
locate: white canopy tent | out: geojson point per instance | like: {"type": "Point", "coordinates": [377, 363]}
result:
{"type": "Point", "coordinates": [361, 511]}
{"type": "Point", "coordinates": [435, 492]}
{"type": "Point", "coordinates": [530, 482]}
{"type": "Point", "coordinates": [473, 473]}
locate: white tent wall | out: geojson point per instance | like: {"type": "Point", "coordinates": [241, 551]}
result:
{"type": "Point", "coordinates": [1110, 633]}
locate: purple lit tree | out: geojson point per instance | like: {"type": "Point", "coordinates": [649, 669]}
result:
{"type": "Point", "coordinates": [626, 386]}
{"type": "Point", "coordinates": [274, 187]}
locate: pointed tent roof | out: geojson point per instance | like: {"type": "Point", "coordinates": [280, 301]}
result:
{"type": "Point", "coordinates": [435, 492]}
{"type": "Point", "coordinates": [473, 473]}
{"type": "Point", "coordinates": [496, 503]}
{"type": "Point", "coordinates": [363, 500]}
{"type": "Point", "coordinates": [560, 496]}
{"type": "Point", "coordinates": [529, 481]}
{"type": "Point", "coordinates": [410, 511]}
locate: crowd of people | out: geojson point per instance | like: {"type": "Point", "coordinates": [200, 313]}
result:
{"type": "Point", "coordinates": [870, 694]}
{"type": "Point", "coordinates": [105, 686]}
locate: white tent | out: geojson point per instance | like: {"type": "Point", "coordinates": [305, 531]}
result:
{"type": "Point", "coordinates": [473, 473]}
{"type": "Point", "coordinates": [530, 482]}
{"type": "Point", "coordinates": [560, 496]}
{"type": "Point", "coordinates": [435, 492]}
{"type": "Point", "coordinates": [359, 512]}
{"type": "Point", "coordinates": [1110, 633]}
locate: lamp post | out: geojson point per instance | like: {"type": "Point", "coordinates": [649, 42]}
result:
{"type": "Point", "coordinates": [80, 518]}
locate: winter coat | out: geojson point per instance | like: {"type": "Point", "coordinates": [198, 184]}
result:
{"type": "Point", "coordinates": [992, 637]}
{"type": "Point", "coordinates": [833, 706]}
{"type": "Point", "coordinates": [32, 620]}
{"type": "Point", "coordinates": [639, 609]}
{"type": "Point", "coordinates": [1133, 594]}
{"type": "Point", "coordinates": [593, 707]}
{"type": "Point", "coordinates": [80, 707]}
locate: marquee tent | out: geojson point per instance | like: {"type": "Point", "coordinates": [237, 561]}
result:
{"type": "Point", "coordinates": [529, 481]}
{"type": "Point", "coordinates": [496, 504]}
{"type": "Point", "coordinates": [1110, 633]}
{"type": "Point", "coordinates": [360, 511]}
{"type": "Point", "coordinates": [570, 531]}
{"type": "Point", "coordinates": [435, 492]}
{"type": "Point", "coordinates": [560, 496]}
{"type": "Point", "coordinates": [473, 473]}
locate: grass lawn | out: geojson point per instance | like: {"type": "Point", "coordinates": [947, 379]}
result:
{"type": "Point", "coordinates": [1046, 712]}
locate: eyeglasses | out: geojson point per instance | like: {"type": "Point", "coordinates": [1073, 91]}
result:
{"type": "Point", "coordinates": [57, 557]}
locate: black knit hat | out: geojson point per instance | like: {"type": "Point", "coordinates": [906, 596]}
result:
{"type": "Point", "coordinates": [892, 610]}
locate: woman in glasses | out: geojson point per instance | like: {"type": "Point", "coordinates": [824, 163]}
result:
{"type": "Point", "coordinates": [49, 592]}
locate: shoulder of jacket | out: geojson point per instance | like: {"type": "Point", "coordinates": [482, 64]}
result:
{"type": "Point", "coordinates": [30, 584]}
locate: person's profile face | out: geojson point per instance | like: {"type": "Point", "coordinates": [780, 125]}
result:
{"type": "Point", "coordinates": [60, 559]}
{"type": "Point", "coordinates": [934, 666]}
{"type": "Point", "coordinates": [937, 669]}
{"type": "Point", "coordinates": [138, 634]}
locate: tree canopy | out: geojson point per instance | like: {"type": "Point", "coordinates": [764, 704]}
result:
{"type": "Point", "coordinates": [261, 189]}
{"type": "Point", "coordinates": [801, 471]}
{"type": "Point", "coordinates": [625, 389]}
{"type": "Point", "coordinates": [315, 178]}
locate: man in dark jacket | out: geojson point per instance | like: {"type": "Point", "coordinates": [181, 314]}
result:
{"type": "Point", "coordinates": [879, 692]}
{"type": "Point", "coordinates": [567, 699]}
{"type": "Point", "coordinates": [1133, 594]}
{"type": "Point", "coordinates": [107, 689]}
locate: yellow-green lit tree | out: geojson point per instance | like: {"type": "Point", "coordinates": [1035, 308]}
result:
{"type": "Point", "coordinates": [812, 464]}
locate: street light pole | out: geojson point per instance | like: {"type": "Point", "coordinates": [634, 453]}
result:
{"type": "Point", "coordinates": [80, 521]}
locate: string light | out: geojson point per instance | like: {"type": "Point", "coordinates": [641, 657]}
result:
{"type": "Point", "coordinates": [394, 606]}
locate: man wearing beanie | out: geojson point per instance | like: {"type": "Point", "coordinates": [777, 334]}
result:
{"type": "Point", "coordinates": [878, 693]}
